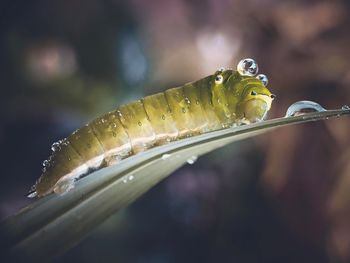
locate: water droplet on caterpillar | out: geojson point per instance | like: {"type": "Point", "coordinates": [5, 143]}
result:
{"type": "Point", "coordinates": [192, 159]}
{"type": "Point", "coordinates": [56, 146]}
{"type": "Point", "coordinates": [46, 163]}
{"type": "Point", "coordinates": [263, 79]}
{"type": "Point", "coordinates": [302, 107]}
{"type": "Point", "coordinates": [32, 194]}
{"type": "Point", "coordinates": [247, 67]}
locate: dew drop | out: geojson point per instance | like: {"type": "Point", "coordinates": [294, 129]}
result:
{"type": "Point", "coordinates": [263, 79]}
{"type": "Point", "coordinates": [187, 100]}
{"type": "Point", "coordinates": [345, 107]}
{"type": "Point", "coordinates": [192, 159]}
{"type": "Point", "coordinates": [127, 179]}
{"type": "Point", "coordinates": [302, 107]}
{"type": "Point", "coordinates": [166, 156]}
{"type": "Point", "coordinates": [247, 67]}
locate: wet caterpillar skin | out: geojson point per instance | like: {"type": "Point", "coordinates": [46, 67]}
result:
{"type": "Point", "coordinates": [218, 101]}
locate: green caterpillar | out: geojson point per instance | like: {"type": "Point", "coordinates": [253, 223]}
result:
{"type": "Point", "coordinates": [226, 98]}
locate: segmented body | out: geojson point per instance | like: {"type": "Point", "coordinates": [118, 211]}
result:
{"type": "Point", "coordinates": [135, 127]}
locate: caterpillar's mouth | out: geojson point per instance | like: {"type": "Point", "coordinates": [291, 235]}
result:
{"type": "Point", "coordinates": [255, 109]}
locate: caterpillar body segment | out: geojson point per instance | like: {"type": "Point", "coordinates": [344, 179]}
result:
{"type": "Point", "coordinates": [218, 101]}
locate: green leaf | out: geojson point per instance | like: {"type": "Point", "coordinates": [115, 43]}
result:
{"type": "Point", "coordinates": [52, 225]}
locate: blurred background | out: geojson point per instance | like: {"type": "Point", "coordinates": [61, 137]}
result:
{"type": "Point", "coordinates": [281, 197]}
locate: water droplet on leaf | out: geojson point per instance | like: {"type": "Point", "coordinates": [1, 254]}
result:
{"type": "Point", "coordinates": [302, 107]}
{"type": "Point", "coordinates": [192, 159]}
{"type": "Point", "coordinates": [166, 156]}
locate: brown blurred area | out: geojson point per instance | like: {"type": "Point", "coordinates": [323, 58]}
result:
{"type": "Point", "coordinates": [281, 197]}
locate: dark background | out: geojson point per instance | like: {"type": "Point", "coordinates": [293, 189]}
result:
{"type": "Point", "coordinates": [281, 197]}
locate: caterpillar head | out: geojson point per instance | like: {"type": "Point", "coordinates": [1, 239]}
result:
{"type": "Point", "coordinates": [241, 93]}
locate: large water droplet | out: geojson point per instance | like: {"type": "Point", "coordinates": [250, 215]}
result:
{"type": "Point", "coordinates": [192, 159]}
{"type": "Point", "coordinates": [247, 67]}
{"type": "Point", "coordinates": [302, 107]}
{"type": "Point", "coordinates": [263, 79]}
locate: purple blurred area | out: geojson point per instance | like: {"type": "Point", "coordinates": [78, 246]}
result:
{"type": "Point", "coordinates": [281, 197]}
